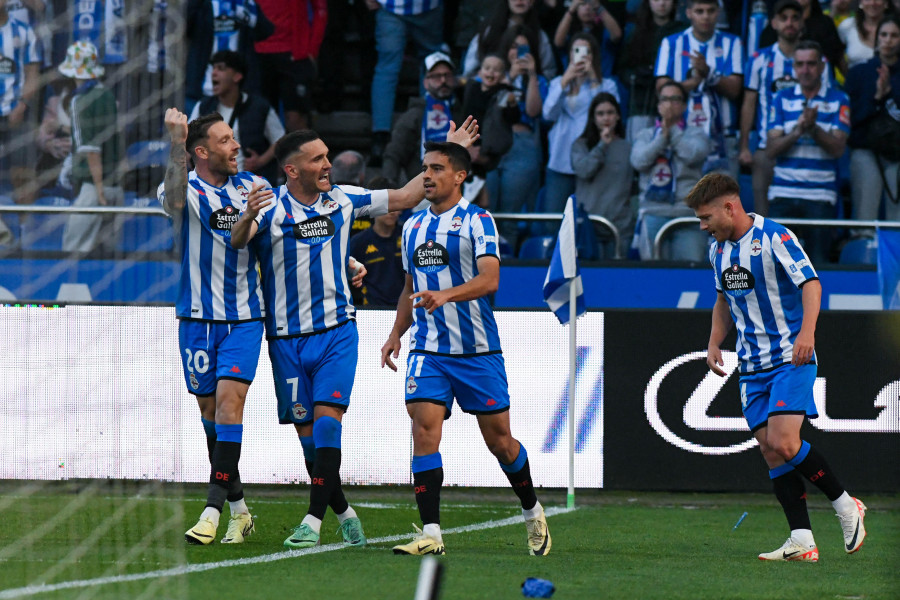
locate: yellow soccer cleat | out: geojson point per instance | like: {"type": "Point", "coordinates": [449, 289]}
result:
{"type": "Point", "coordinates": [240, 526]}
{"type": "Point", "coordinates": [539, 542]}
{"type": "Point", "coordinates": [201, 534]}
{"type": "Point", "coordinates": [421, 545]}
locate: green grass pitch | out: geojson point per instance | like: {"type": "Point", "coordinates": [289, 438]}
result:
{"type": "Point", "coordinates": [125, 540]}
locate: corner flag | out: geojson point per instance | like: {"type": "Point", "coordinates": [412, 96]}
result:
{"type": "Point", "coordinates": [563, 272]}
{"type": "Point", "coordinates": [889, 267]}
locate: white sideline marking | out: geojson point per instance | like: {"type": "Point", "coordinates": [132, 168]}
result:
{"type": "Point", "coordinates": [32, 590]}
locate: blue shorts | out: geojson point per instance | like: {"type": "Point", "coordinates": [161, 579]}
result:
{"type": "Point", "coordinates": [314, 369]}
{"type": "Point", "coordinates": [477, 382]}
{"type": "Point", "coordinates": [214, 351]}
{"type": "Point", "coordinates": [785, 390]}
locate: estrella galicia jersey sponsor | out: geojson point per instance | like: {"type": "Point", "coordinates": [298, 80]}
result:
{"type": "Point", "coordinates": [218, 283]}
{"type": "Point", "coordinates": [441, 252]}
{"type": "Point", "coordinates": [303, 258]}
{"type": "Point", "coordinates": [760, 276]}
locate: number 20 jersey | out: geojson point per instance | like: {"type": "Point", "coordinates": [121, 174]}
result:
{"type": "Point", "coordinates": [760, 276]}
{"type": "Point", "coordinates": [218, 283]}
{"type": "Point", "coordinates": [441, 252]}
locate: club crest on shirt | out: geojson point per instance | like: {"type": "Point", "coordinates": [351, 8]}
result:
{"type": "Point", "coordinates": [314, 231]}
{"type": "Point", "coordinates": [411, 385]}
{"type": "Point", "coordinates": [456, 223]}
{"type": "Point", "coordinates": [431, 257]}
{"type": "Point", "coordinates": [737, 281]}
{"type": "Point", "coordinates": [243, 191]}
{"type": "Point", "coordinates": [298, 411]}
{"type": "Point", "coordinates": [755, 247]}
{"type": "Point", "coordinates": [330, 204]}
{"type": "Point", "coordinates": [224, 219]}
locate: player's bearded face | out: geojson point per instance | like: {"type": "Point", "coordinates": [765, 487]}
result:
{"type": "Point", "coordinates": [222, 149]}
{"type": "Point", "coordinates": [440, 178]}
{"type": "Point", "coordinates": [313, 167]}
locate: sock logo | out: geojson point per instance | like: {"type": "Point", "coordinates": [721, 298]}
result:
{"type": "Point", "coordinates": [318, 481]}
{"type": "Point", "coordinates": [815, 476]}
{"type": "Point", "coordinates": [420, 489]}
{"type": "Point", "coordinates": [222, 476]}
{"type": "Point", "coordinates": [521, 484]}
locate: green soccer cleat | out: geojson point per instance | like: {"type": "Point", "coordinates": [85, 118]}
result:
{"type": "Point", "coordinates": [421, 545]}
{"type": "Point", "coordinates": [538, 535]}
{"type": "Point", "coordinates": [201, 534]}
{"type": "Point", "coordinates": [302, 537]}
{"type": "Point", "coordinates": [240, 526]}
{"type": "Point", "coordinates": [353, 534]}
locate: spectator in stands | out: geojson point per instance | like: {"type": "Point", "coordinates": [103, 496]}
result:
{"type": "Point", "coordinates": [427, 119]}
{"type": "Point", "coordinates": [20, 57]}
{"type": "Point", "coordinates": [858, 32]}
{"type": "Point", "coordinates": [349, 35]}
{"type": "Point", "coordinates": [214, 26]}
{"type": "Point", "coordinates": [669, 158]}
{"type": "Point", "coordinates": [709, 64]}
{"type": "Point", "coordinates": [514, 184]}
{"type": "Point", "coordinates": [590, 16]}
{"type": "Point", "coordinates": [817, 27]}
{"type": "Point", "coordinates": [840, 10]}
{"type": "Point", "coordinates": [255, 124]}
{"type": "Point", "coordinates": [655, 20]}
{"type": "Point", "coordinates": [807, 133]}
{"type": "Point", "coordinates": [768, 71]}
{"type": "Point", "coordinates": [510, 12]}
{"type": "Point", "coordinates": [600, 159]}
{"type": "Point", "coordinates": [492, 103]}
{"type": "Point", "coordinates": [470, 19]}
{"type": "Point", "coordinates": [422, 23]}
{"type": "Point", "coordinates": [349, 168]}
{"type": "Point", "coordinates": [287, 66]}
{"type": "Point", "coordinates": [54, 140]}
{"type": "Point", "coordinates": [378, 248]}
{"type": "Point", "coordinates": [874, 90]}
{"type": "Point", "coordinates": [96, 150]}
{"type": "Point", "coordinates": [567, 103]}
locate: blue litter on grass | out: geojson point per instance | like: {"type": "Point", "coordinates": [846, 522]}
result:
{"type": "Point", "coordinates": [537, 588]}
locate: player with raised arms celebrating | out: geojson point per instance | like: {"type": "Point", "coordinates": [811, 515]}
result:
{"type": "Point", "coordinates": [770, 290]}
{"type": "Point", "coordinates": [452, 264]}
{"type": "Point", "coordinates": [220, 306]}
{"type": "Point", "coordinates": [310, 326]}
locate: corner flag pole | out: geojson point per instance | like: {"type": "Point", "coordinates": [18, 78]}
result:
{"type": "Point", "coordinates": [570, 409]}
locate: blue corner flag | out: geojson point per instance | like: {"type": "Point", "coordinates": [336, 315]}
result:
{"type": "Point", "coordinates": [563, 271]}
{"type": "Point", "coordinates": [889, 267]}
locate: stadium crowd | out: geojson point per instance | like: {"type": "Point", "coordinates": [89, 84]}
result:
{"type": "Point", "coordinates": [625, 104]}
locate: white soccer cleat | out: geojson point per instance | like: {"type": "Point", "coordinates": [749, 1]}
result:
{"type": "Point", "coordinates": [240, 526]}
{"type": "Point", "coordinates": [792, 551]}
{"type": "Point", "coordinates": [854, 530]}
{"type": "Point", "coordinates": [538, 535]}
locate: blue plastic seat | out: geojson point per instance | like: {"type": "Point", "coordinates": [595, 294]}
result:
{"type": "Point", "coordinates": [147, 153]}
{"type": "Point", "coordinates": [861, 251]}
{"type": "Point", "coordinates": [44, 231]}
{"type": "Point", "coordinates": [144, 233]}
{"type": "Point", "coordinates": [536, 248]}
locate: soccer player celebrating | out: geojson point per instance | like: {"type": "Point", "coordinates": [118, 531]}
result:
{"type": "Point", "coordinates": [310, 327]}
{"type": "Point", "coordinates": [452, 265]}
{"type": "Point", "coordinates": [219, 306]}
{"type": "Point", "coordinates": [768, 287]}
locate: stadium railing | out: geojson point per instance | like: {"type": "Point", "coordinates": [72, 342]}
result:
{"type": "Point", "coordinates": [833, 223]}
{"type": "Point", "coordinates": [537, 217]}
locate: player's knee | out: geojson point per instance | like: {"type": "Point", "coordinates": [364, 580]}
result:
{"type": "Point", "coordinates": [504, 448]}
{"type": "Point", "coordinates": [785, 448]}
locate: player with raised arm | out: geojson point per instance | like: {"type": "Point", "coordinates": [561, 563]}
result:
{"type": "Point", "coordinates": [310, 327]}
{"type": "Point", "coordinates": [452, 264]}
{"type": "Point", "coordinates": [769, 289]}
{"type": "Point", "coordinates": [219, 306]}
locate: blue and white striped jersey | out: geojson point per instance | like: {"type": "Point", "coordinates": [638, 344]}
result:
{"type": "Point", "coordinates": [18, 47]}
{"type": "Point", "coordinates": [768, 72]}
{"type": "Point", "coordinates": [760, 276]}
{"type": "Point", "coordinates": [218, 283]}
{"type": "Point", "coordinates": [724, 54]}
{"type": "Point", "coordinates": [441, 252]}
{"type": "Point", "coordinates": [806, 171]}
{"type": "Point", "coordinates": [409, 7]}
{"type": "Point", "coordinates": [303, 258]}
{"type": "Point", "coordinates": [228, 18]}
